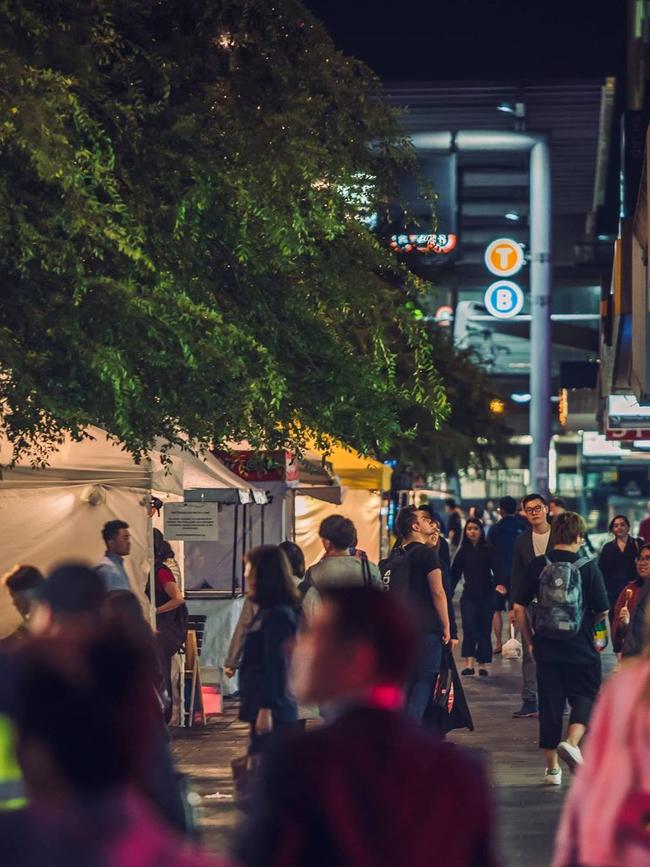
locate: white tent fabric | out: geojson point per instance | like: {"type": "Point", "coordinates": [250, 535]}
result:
{"type": "Point", "coordinates": [43, 526]}
{"type": "Point", "coordinates": [189, 471]}
{"type": "Point", "coordinates": [98, 461]}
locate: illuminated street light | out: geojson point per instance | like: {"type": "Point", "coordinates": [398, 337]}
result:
{"type": "Point", "coordinates": [497, 406]}
{"type": "Point", "coordinates": [512, 215]}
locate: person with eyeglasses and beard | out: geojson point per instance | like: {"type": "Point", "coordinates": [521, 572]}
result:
{"type": "Point", "coordinates": [530, 544]}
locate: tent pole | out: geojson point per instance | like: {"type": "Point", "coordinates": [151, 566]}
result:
{"type": "Point", "coordinates": [152, 568]}
{"type": "Point", "coordinates": [234, 552]}
{"type": "Point", "coordinates": [243, 530]}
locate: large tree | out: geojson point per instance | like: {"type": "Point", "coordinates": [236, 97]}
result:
{"type": "Point", "coordinates": [182, 196]}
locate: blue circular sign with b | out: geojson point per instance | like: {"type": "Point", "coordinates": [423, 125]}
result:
{"type": "Point", "coordinates": [504, 299]}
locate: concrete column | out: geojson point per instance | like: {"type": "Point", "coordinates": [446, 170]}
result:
{"type": "Point", "coordinates": [540, 309]}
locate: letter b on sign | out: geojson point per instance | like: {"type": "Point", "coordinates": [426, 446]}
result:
{"type": "Point", "coordinates": [504, 299]}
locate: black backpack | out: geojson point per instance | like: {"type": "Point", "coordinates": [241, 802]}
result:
{"type": "Point", "coordinates": [396, 571]}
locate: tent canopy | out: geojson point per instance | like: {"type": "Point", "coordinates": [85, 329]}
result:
{"type": "Point", "coordinates": [56, 513]}
{"type": "Point", "coordinates": [356, 472]}
{"type": "Point", "coordinates": [101, 460]}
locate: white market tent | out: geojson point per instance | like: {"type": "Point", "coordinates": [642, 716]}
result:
{"type": "Point", "coordinates": [55, 513]}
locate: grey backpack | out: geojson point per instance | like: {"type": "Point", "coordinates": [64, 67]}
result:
{"type": "Point", "coordinates": [560, 606]}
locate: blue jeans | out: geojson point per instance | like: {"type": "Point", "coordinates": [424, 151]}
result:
{"type": "Point", "coordinates": [420, 689]}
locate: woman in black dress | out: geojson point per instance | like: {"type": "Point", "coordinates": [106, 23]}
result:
{"type": "Point", "coordinates": [617, 559]}
{"type": "Point", "coordinates": [475, 563]}
{"type": "Point", "coordinates": [263, 674]}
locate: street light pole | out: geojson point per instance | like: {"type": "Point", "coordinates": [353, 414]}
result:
{"type": "Point", "coordinates": [540, 309]}
{"type": "Point", "coordinates": [540, 270]}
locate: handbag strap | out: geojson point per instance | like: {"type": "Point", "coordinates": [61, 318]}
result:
{"type": "Point", "coordinates": [365, 571]}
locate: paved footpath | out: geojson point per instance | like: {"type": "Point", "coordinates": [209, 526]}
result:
{"type": "Point", "coordinates": [527, 810]}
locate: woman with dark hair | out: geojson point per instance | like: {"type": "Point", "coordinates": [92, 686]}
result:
{"type": "Point", "coordinates": [263, 674]}
{"type": "Point", "coordinates": [475, 563]}
{"type": "Point", "coordinates": [617, 559]}
{"type": "Point", "coordinates": [171, 615]}
{"type": "Point", "coordinates": [296, 560]}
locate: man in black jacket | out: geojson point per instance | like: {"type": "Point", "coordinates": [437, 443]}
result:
{"type": "Point", "coordinates": [528, 545]}
{"type": "Point", "coordinates": [369, 788]}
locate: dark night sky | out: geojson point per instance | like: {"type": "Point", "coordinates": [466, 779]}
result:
{"type": "Point", "coordinates": [425, 40]}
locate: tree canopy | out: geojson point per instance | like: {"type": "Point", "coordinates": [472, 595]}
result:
{"type": "Point", "coordinates": [183, 249]}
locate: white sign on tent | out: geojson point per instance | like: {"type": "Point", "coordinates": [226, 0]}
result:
{"type": "Point", "coordinates": [191, 522]}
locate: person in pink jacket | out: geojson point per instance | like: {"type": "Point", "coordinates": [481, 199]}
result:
{"type": "Point", "coordinates": [604, 822]}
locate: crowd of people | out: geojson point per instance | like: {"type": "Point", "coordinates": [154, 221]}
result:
{"type": "Point", "coordinates": [340, 669]}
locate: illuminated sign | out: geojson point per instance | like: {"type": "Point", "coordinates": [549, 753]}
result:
{"type": "Point", "coordinates": [504, 299]}
{"type": "Point", "coordinates": [504, 257]}
{"type": "Point", "coordinates": [425, 243]}
{"type": "Point", "coordinates": [627, 434]}
{"type": "Point", "coordinates": [444, 316]}
{"type": "Point", "coordinates": [563, 408]}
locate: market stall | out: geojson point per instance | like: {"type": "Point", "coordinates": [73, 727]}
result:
{"type": "Point", "coordinates": [55, 513]}
{"type": "Point", "coordinates": [362, 482]}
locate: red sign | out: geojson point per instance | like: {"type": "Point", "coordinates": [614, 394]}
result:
{"type": "Point", "coordinates": [254, 466]}
{"type": "Point", "coordinates": [626, 435]}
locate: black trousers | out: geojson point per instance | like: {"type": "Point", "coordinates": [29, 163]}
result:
{"type": "Point", "coordinates": [557, 683]}
{"type": "Point", "coordinates": [477, 616]}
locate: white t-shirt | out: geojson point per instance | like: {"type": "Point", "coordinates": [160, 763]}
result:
{"type": "Point", "coordinates": [540, 542]}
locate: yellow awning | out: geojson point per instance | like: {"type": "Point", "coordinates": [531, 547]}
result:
{"type": "Point", "coordinates": [359, 473]}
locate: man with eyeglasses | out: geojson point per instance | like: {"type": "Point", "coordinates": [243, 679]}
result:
{"type": "Point", "coordinates": [532, 543]}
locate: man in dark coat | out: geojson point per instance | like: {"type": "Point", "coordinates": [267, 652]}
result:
{"type": "Point", "coordinates": [369, 788]}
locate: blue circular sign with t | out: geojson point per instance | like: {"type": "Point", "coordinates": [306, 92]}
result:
{"type": "Point", "coordinates": [504, 299]}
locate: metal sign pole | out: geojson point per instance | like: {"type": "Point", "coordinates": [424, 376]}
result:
{"type": "Point", "coordinates": [540, 307]}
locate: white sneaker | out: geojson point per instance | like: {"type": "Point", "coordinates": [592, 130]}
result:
{"type": "Point", "coordinates": [553, 776]}
{"type": "Point", "coordinates": [570, 755]}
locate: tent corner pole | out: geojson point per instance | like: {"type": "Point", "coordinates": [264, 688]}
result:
{"type": "Point", "coordinates": [234, 550]}
{"type": "Point", "coordinates": [152, 567]}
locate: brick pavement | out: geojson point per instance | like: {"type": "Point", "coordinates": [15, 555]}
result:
{"type": "Point", "coordinates": [527, 810]}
